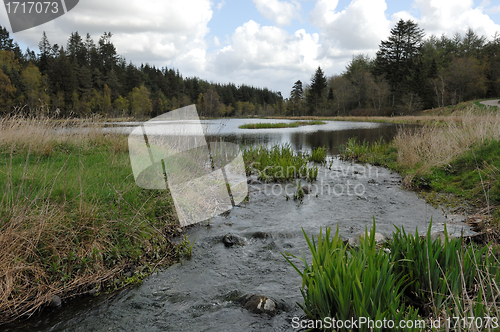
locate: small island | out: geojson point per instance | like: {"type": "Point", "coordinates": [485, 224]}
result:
{"type": "Point", "coordinates": [261, 125]}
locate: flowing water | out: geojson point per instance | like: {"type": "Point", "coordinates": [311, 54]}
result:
{"type": "Point", "coordinates": [199, 294]}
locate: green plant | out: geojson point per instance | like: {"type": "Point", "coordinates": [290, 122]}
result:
{"type": "Point", "coordinates": [318, 155]}
{"type": "Point", "coordinates": [312, 174]}
{"type": "Point", "coordinates": [411, 277]}
{"type": "Point", "coordinates": [186, 247]}
{"type": "Point", "coordinates": [444, 275]}
{"type": "Point", "coordinates": [276, 164]}
{"type": "Point", "coordinates": [376, 153]}
{"type": "Point", "coordinates": [345, 283]}
{"type": "Point", "coordinates": [299, 195]}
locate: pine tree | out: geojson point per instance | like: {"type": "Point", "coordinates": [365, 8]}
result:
{"type": "Point", "coordinates": [296, 96]}
{"type": "Point", "coordinates": [316, 93]}
{"type": "Point", "coordinates": [397, 56]}
{"type": "Point", "coordinates": [45, 54]}
{"type": "Point", "coordinates": [8, 44]}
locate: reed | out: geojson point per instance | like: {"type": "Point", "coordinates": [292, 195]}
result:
{"type": "Point", "coordinates": [278, 164]}
{"type": "Point", "coordinates": [407, 278]}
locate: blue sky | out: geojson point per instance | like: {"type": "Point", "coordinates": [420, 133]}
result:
{"type": "Point", "coordinates": [266, 43]}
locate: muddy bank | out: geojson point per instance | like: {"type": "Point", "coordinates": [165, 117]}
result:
{"type": "Point", "coordinates": [201, 294]}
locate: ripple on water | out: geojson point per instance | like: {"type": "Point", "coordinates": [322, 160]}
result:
{"type": "Point", "coordinates": [199, 294]}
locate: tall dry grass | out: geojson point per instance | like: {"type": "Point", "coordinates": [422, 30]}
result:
{"type": "Point", "coordinates": [42, 134]}
{"type": "Point", "coordinates": [437, 145]}
{"type": "Point", "coordinates": [51, 246]}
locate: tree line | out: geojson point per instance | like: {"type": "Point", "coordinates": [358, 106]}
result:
{"type": "Point", "coordinates": [408, 74]}
{"type": "Point", "coordinates": [85, 78]}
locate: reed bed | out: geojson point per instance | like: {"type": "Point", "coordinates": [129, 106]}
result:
{"type": "Point", "coordinates": [434, 146]}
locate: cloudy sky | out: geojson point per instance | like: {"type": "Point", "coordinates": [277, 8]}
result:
{"type": "Point", "coordinates": [266, 43]}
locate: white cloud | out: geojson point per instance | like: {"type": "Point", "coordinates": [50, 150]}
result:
{"type": "Point", "coordinates": [280, 12]}
{"type": "Point", "coordinates": [267, 56]}
{"type": "Point", "coordinates": [451, 16]}
{"type": "Point", "coordinates": [217, 41]}
{"type": "Point", "coordinates": [220, 5]}
{"type": "Point", "coordinates": [163, 32]}
{"type": "Point", "coordinates": [256, 47]}
{"type": "Point", "coordinates": [495, 9]}
{"type": "Point", "coordinates": [356, 29]}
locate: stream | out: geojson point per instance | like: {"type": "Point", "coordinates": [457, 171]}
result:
{"type": "Point", "coordinates": [199, 294]}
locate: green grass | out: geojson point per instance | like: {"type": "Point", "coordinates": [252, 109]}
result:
{"type": "Point", "coordinates": [280, 125]}
{"type": "Point", "coordinates": [318, 155]}
{"type": "Point", "coordinates": [278, 164]}
{"type": "Point", "coordinates": [408, 278]}
{"type": "Point", "coordinates": [378, 153]}
{"type": "Point", "coordinates": [72, 217]}
{"type": "Point", "coordinates": [473, 176]}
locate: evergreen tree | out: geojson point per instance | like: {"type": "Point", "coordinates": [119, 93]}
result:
{"type": "Point", "coordinates": [45, 54]}
{"type": "Point", "coordinates": [316, 92]}
{"type": "Point", "coordinates": [296, 96]}
{"type": "Point", "coordinates": [397, 57]}
{"type": "Point", "coordinates": [8, 44]}
{"type": "Point", "coordinates": [107, 53]}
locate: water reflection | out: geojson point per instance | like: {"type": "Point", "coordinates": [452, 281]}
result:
{"type": "Point", "coordinates": [305, 138]}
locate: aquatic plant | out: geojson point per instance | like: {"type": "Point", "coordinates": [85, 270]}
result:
{"type": "Point", "coordinates": [277, 164]}
{"type": "Point", "coordinates": [345, 283]}
{"type": "Point", "coordinates": [408, 278]}
{"type": "Point", "coordinates": [312, 174]}
{"type": "Point", "coordinates": [299, 195]}
{"type": "Point", "coordinates": [318, 154]}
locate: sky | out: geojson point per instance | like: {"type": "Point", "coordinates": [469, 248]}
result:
{"type": "Point", "coordinates": [264, 43]}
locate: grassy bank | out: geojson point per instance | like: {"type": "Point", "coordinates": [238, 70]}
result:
{"type": "Point", "coordinates": [408, 279]}
{"type": "Point", "coordinates": [295, 124]}
{"type": "Point", "coordinates": [440, 116]}
{"type": "Point", "coordinates": [457, 157]}
{"type": "Point", "coordinates": [72, 220]}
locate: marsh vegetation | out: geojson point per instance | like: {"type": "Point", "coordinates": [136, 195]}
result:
{"type": "Point", "coordinates": [72, 219]}
{"type": "Point", "coordinates": [281, 124]}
